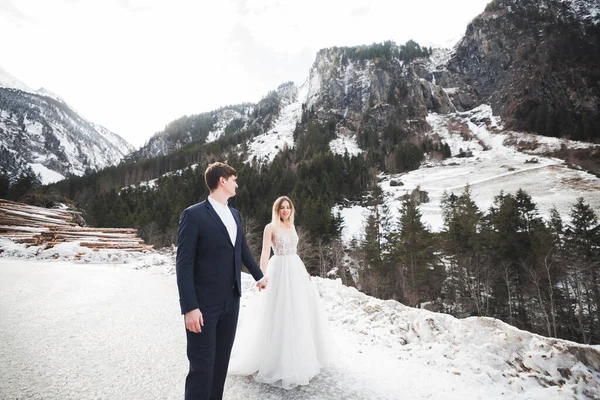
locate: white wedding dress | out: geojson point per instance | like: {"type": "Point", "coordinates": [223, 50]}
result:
{"type": "Point", "coordinates": [284, 338]}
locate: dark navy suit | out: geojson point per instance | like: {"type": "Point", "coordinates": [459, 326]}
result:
{"type": "Point", "coordinates": [208, 268]}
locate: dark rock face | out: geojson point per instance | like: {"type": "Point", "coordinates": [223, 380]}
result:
{"type": "Point", "coordinates": [537, 63]}
{"type": "Point", "coordinates": [369, 95]}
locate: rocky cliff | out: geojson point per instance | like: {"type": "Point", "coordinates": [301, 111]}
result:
{"type": "Point", "coordinates": [537, 63]}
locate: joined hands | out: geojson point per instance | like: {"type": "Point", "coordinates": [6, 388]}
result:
{"type": "Point", "coordinates": [262, 284]}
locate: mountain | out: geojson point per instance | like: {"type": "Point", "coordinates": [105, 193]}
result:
{"type": "Point", "coordinates": [537, 63]}
{"type": "Point", "coordinates": [9, 81]}
{"type": "Point", "coordinates": [398, 110]}
{"type": "Point", "coordinates": [416, 172]}
{"type": "Point", "coordinates": [38, 130]}
{"type": "Point", "coordinates": [210, 126]}
{"type": "Point", "coordinates": [343, 92]}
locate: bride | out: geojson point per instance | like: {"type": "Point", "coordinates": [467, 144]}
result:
{"type": "Point", "coordinates": [288, 341]}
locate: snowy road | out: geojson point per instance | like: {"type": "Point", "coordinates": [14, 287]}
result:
{"type": "Point", "coordinates": [87, 332]}
{"type": "Point", "coordinates": [81, 331]}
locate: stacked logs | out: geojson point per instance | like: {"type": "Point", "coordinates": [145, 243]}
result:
{"type": "Point", "coordinates": [38, 226]}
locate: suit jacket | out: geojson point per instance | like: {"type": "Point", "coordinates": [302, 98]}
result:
{"type": "Point", "coordinates": [208, 265]}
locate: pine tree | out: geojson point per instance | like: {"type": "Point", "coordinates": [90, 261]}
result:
{"type": "Point", "coordinates": [556, 224]}
{"type": "Point", "coordinates": [511, 248]}
{"type": "Point", "coordinates": [26, 183]}
{"type": "Point", "coordinates": [4, 184]}
{"type": "Point", "coordinates": [416, 256]}
{"type": "Point", "coordinates": [373, 243]}
{"type": "Point", "coordinates": [374, 278]}
{"type": "Point", "coordinates": [468, 270]}
{"type": "Point", "coordinates": [583, 242]}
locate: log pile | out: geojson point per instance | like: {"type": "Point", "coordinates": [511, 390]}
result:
{"type": "Point", "coordinates": [38, 226]}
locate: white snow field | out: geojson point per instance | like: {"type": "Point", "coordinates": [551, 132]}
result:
{"type": "Point", "coordinates": [496, 165]}
{"type": "Point", "coordinates": [107, 326]}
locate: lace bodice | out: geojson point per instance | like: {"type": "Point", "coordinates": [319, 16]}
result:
{"type": "Point", "coordinates": [285, 243]}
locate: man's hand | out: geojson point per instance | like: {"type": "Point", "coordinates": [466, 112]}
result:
{"type": "Point", "coordinates": [262, 284]}
{"type": "Point", "coordinates": [194, 321]}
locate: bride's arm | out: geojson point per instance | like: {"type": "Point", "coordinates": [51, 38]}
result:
{"type": "Point", "coordinates": [266, 248]}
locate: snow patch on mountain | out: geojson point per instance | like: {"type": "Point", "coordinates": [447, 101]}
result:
{"type": "Point", "coordinates": [224, 118]}
{"type": "Point", "coordinates": [263, 148]}
{"type": "Point", "coordinates": [585, 10]}
{"type": "Point", "coordinates": [314, 87]}
{"type": "Point", "coordinates": [9, 81]}
{"type": "Point", "coordinates": [46, 175]}
{"type": "Point", "coordinates": [115, 140]}
{"type": "Point", "coordinates": [488, 160]}
{"type": "Point", "coordinates": [438, 59]}
{"type": "Point", "coordinates": [153, 183]}
{"type": "Point", "coordinates": [345, 143]}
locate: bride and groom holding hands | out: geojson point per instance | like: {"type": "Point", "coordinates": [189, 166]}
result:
{"type": "Point", "coordinates": [286, 340]}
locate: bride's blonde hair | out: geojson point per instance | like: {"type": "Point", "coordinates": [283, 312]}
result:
{"type": "Point", "coordinates": [276, 219]}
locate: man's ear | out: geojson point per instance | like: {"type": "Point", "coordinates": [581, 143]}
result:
{"type": "Point", "coordinates": [221, 180]}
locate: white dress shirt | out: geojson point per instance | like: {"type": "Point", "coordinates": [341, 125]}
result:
{"type": "Point", "coordinates": [226, 216]}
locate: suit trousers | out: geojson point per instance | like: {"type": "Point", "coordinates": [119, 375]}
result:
{"type": "Point", "coordinates": [209, 350]}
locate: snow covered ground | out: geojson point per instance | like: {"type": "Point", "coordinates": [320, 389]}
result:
{"type": "Point", "coordinates": [495, 165]}
{"type": "Point", "coordinates": [107, 326]}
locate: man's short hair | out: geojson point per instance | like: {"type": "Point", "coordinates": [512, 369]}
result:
{"type": "Point", "coordinates": [215, 171]}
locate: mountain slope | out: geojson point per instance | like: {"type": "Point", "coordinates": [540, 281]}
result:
{"type": "Point", "coordinates": [537, 64]}
{"type": "Point", "coordinates": [488, 159]}
{"type": "Point", "coordinates": [247, 118]}
{"type": "Point", "coordinates": [45, 134]}
{"type": "Point", "coordinates": [9, 81]}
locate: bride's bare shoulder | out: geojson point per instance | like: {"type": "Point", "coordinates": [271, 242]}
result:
{"type": "Point", "coordinates": [269, 228]}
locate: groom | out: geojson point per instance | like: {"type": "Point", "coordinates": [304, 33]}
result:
{"type": "Point", "coordinates": [210, 252]}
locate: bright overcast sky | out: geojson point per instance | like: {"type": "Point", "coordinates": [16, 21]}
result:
{"type": "Point", "coordinates": [135, 65]}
